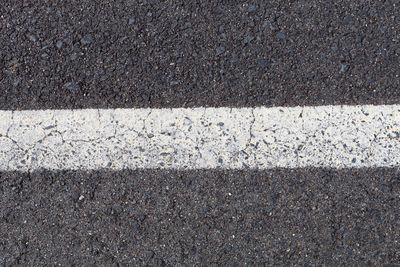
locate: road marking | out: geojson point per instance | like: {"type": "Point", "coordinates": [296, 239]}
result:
{"type": "Point", "coordinates": [228, 138]}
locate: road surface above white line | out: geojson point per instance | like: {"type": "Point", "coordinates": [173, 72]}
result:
{"type": "Point", "coordinates": [197, 138]}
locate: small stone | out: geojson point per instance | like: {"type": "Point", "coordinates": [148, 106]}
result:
{"type": "Point", "coordinates": [281, 35]}
{"type": "Point", "coordinates": [248, 39]}
{"type": "Point", "coordinates": [87, 40]}
{"type": "Point", "coordinates": [394, 135]}
{"type": "Point", "coordinates": [150, 135]}
{"type": "Point", "coordinates": [261, 62]}
{"type": "Point", "coordinates": [348, 20]}
{"type": "Point", "coordinates": [234, 59]}
{"type": "Point", "coordinates": [146, 97]}
{"type": "Point", "coordinates": [266, 24]}
{"type": "Point", "coordinates": [389, 9]}
{"type": "Point", "coordinates": [173, 83]}
{"type": "Point", "coordinates": [59, 44]}
{"type": "Point", "coordinates": [31, 37]}
{"type": "Point", "coordinates": [135, 225]}
{"type": "Point", "coordinates": [220, 50]}
{"type": "Point", "coordinates": [131, 20]}
{"type": "Point", "coordinates": [118, 209]}
{"type": "Point", "coordinates": [344, 68]}
{"type": "Point", "coordinates": [359, 39]}
{"type": "Point", "coordinates": [75, 196]}
{"type": "Point", "coordinates": [252, 8]}
{"type": "Point", "coordinates": [72, 86]}
{"type": "Point", "coordinates": [151, 254]}
{"type": "Point", "coordinates": [160, 262]}
{"type": "Point", "coordinates": [16, 82]}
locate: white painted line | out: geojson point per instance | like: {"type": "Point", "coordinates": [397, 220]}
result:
{"type": "Point", "coordinates": [230, 138]}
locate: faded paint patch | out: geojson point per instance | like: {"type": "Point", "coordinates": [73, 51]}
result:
{"type": "Point", "coordinates": [201, 138]}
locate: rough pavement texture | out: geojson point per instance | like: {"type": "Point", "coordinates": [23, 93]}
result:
{"type": "Point", "coordinates": [169, 218]}
{"type": "Point", "coordinates": [201, 138]}
{"type": "Point", "coordinates": [68, 54]}
{"type": "Point", "coordinates": [64, 54]}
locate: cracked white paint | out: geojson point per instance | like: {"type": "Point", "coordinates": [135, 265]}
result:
{"type": "Point", "coordinates": [230, 138]}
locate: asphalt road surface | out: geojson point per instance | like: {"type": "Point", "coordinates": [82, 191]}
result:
{"type": "Point", "coordinates": [75, 54]}
{"type": "Point", "coordinates": [301, 217]}
{"type": "Point", "coordinates": [95, 54]}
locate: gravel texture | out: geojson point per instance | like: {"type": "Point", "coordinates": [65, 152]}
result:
{"type": "Point", "coordinates": [68, 54]}
{"type": "Point", "coordinates": [304, 217]}
{"type": "Point", "coordinates": [81, 54]}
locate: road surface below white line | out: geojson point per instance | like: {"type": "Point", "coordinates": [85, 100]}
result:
{"type": "Point", "coordinates": [201, 138]}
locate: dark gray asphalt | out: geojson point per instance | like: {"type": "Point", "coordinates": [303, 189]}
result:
{"type": "Point", "coordinates": [75, 54]}
{"type": "Point", "coordinates": [303, 217]}
{"type": "Point", "coordinates": [81, 54]}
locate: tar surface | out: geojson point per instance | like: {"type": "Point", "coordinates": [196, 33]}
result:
{"type": "Point", "coordinates": [106, 54]}
{"type": "Point", "coordinates": [75, 54]}
{"type": "Point", "coordinates": [170, 218]}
